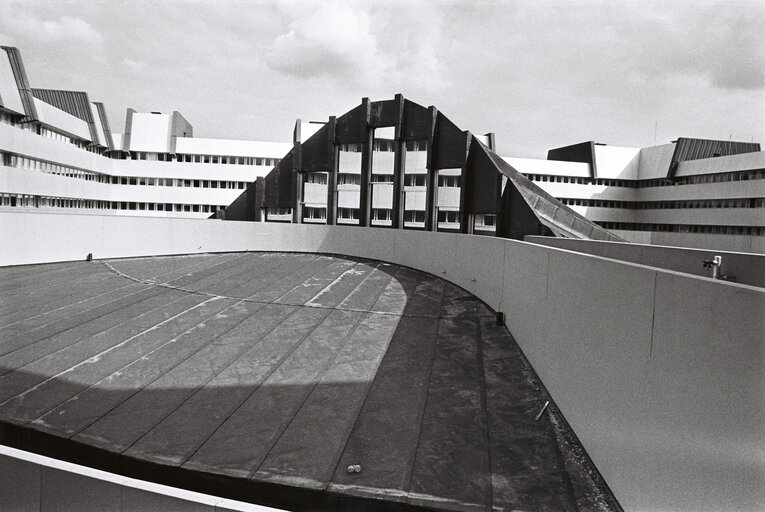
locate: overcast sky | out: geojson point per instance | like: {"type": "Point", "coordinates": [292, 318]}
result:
{"type": "Point", "coordinates": [538, 74]}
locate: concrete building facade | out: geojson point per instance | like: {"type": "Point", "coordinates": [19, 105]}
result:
{"type": "Point", "coordinates": [59, 154]}
{"type": "Point", "coordinates": [397, 164]}
{"type": "Point", "coordinates": [693, 192]}
{"type": "Point", "coordinates": [383, 164]}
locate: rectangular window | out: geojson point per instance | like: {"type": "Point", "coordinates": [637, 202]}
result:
{"type": "Point", "coordinates": [414, 180]}
{"type": "Point", "coordinates": [348, 213]}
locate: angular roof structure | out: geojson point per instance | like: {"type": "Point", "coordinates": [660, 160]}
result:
{"type": "Point", "coordinates": [78, 104]}
{"type": "Point", "coordinates": [490, 185]}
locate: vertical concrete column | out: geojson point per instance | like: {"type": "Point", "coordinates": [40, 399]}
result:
{"type": "Point", "coordinates": [431, 180]}
{"type": "Point", "coordinates": [331, 172]}
{"type": "Point", "coordinates": [259, 213]}
{"type": "Point", "coordinates": [128, 130]}
{"type": "Point", "coordinates": [397, 213]}
{"type": "Point", "coordinates": [365, 188]}
{"type": "Point", "coordinates": [491, 144]}
{"type": "Point", "coordinates": [297, 184]}
{"type": "Point", "coordinates": [467, 218]}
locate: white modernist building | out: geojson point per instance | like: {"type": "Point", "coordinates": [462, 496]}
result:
{"type": "Point", "coordinates": [59, 154]}
{"type": "Point", "coordinates": [644, 195]}
{"type": "Point", "coordinates": [658, 195]}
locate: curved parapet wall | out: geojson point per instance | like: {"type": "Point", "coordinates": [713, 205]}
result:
{"type": "Point", "coordinates": [659, 373]}
{"type": "Point", "coordinates": [740, 267]}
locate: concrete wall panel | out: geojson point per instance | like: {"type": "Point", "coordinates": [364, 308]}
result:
{"type": "Point", "coordinates": [150, 132]}
{"type": "Point", "coordinates": [747, 268]}
{"type": "Point", "coordinates": [19, 484]}
{"type": "Point", "coordinates": [138, 500]}
{"type": "Point", "coordinates": [478, 267]}
{"type": "Point", "coordinates": [61, 120]}
{"type": "Point", "coordinates": [524, 290]}
{"type": "Point", "coordinates": [705, 391]}
{"type": "Point", "coordinates": [62, 490]}
{"type": "Point", "coordinates": [34, 483]}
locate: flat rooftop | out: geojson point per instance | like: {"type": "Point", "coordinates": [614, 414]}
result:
{"type": "Point", "coordinates": [264, 376]}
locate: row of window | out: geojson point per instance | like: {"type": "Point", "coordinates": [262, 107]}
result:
{"type": "Point", "coordinates": [384, 214]}
{"type": "Point", "coordinates": [70, 172]}
{"type": "Point", "coordinates": [668, 205]}
{"type": "Point", "coordinates": [378, 214]}
{"type": "Point", "coordinates": [279, 211]}
{"type": "Point", "coordinates": [686, 228]}
{"type": "Point", "coordinates": [578, 180]}
{"type": "Point", "coordinates": [31, 201]}
{"type": "Point", "coordinates": [348, 179]}
{"type": "Point", "coordinates": [410, 180]}
{"type": "Point", "coordinates": [385, 145]}
{"type": "Point", "coordinates": [8, 118]}
{"type": "Point", "coordinates": [177, 182]}
{"type": "Point", "coordinates": [755, 174]}
{"type": "Point", "coordinates": [204, 159]}
{"type": "Point", "coordinates": [316, 177]}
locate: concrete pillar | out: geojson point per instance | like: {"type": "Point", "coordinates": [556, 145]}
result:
{"type": "Point", "coordinates": [365, 188]}
{"type": "Point", "coordinates": [397, 214]}
{"type": "Point", "coordinates": [431, 201]}
{"type": "Point", "coordinates": [467, 218]}
{"type": "Point", "coordinates": [431, 179]}
{"type": "Point", "coordinates": [331, 172]}
{"type": "Point", "coordinates": [297, 184]}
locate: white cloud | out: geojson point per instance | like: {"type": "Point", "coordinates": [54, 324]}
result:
{"type": "Point", "coordinates": [70, 28]}
{"type": "Point", "coordinates": [372, 48]}
{"type": "Point", "coordinates": [330, 38]}
{"type": "Point", "coordinates": [62, 29]}
{"type": "Point", "coordinates": [133, 65]}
